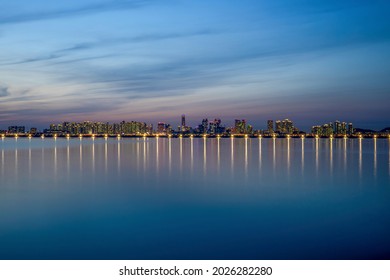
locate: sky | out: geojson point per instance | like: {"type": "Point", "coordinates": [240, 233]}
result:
{"type": "Point", "coordinates": [311, 61]}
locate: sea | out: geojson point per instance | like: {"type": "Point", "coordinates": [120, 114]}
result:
{"type": "Point", "coordinates": [194, 198]}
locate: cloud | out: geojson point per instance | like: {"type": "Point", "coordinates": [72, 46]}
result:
{"type": "Point", "coordinates": [4, 91]}
{"type": "Point", "coordinates": [55, 55]}
{"type": "Point", "coordinates": [114, 5]}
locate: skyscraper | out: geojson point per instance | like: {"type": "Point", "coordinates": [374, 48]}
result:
{"type": "Point", "coordinates": [270, 126]}
{"type": "Point", "coordinates": [183, 122]}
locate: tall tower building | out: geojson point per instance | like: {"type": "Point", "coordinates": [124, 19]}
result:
{"type": "Point", "coordinates": [183, 121]}
{"type": "Point", "coordinates": [270, 126]}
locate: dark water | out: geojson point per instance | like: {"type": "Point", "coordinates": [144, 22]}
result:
{"type": "Point", "coordinates": [195, 199]}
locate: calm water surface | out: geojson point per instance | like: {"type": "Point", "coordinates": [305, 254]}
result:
{"type": "Point", "coordinates": [195, 199]}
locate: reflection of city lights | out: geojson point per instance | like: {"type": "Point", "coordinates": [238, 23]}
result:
{"type": "Point", "coordinates": [29, 136]}
{"type": "Point", "coordinates": [118, 136]}
{"type": "Point", "coordinates": [105, 136]}
{"type": "Point", "coordinates": [2, 136]}
{"type": "Point", "coordinates": [67, 136]}
{"type": "Point", "coordinates": [81, 136]}
{"type": "Point", "coordinates": [93, 136]}
{"type": "Point", "coordinates": [16, 136]}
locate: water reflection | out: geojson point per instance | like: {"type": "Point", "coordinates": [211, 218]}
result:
{"type": "Point", "coordinates": [16, 162]}
{"type": "Point", "coordinates": [93, 156]}
{"type": "Point", "coordinates": [68, 161]}
{"type": "Point", "coordinates": [157, 156]}
{"type": "Point", "coordinates": [345, 155]}
{"type": "Point", "coordinates": [360, 157]}
{"type": "Point", "coordinates": [375, 158]}
{"type": "Point", "coordinates": [302, 155]}
{"type": "Point", "coordinates": [218, 156]}
{"type": "Point", "coordinates": [317, 163]}
{"type": "Point", "coordinates": [246, 158]}
{"type": "Point", "coordinates": [106, 157]}
{"type": "Point", "coordinates": [81, 156]}
{"type": "Point", "coordinates": [204, 157]}
{"type": "Point", "coordinates": [144, 156]}
{"type": "Point", "coordinates": [29, 161]}
{"type": "Point", "coordinates": [55, 160]}
{"type": "Point", "coordinates": [288, 157]}
{"type": "Point", "coordinates": [260, 156]}
{"type": "Point", "coordinates": [232, 156]}
{"type": "Point", "coordinates": [274, 155]}
{"type": "Point", "coordinates": [170, 155]}
{"type": "Point", "coordinates": [3, 162]}
{"type": "Point", "coordinates": [192, 156]}
{"type": "Point", "coordinates": [331, 156]}
{"type": "Point", "coordinates": [181, 155]}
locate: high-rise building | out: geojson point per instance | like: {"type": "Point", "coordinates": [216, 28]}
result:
{"type": "Point", "coordinates": [205, 126]}
{"type": "Point", "coordinates": [350, 129]}
{"type": "Point", "coordinates": [240, 126]}
{"type": "Point", "coordinates": [215, 127]}
{"type": "Point", "coordinates": [286, 126]}
{"type": "Point", "coordinates": [183, 121]}
{"type": "Point", "coordinates": [161, 128]}
{"type": "Point", "coordinates": [16, 129]}
{"type": "Point", "coordinates": [278, 126]}
{"type": "Point", "coordinates": [270, 126]}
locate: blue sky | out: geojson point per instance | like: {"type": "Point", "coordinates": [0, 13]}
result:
{"type": "Point", "coordinates": [112, 60]}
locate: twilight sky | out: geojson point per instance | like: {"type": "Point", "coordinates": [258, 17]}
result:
{"type": "Point", "coordinates": [312, 61]}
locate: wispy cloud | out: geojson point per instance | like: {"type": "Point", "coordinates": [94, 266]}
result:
{"type": "Point", "coordinates": [100, 7]}
{"type": "Point", "coordinates": [4, 91]}
{"type": "Point", "coordinates": [109, 42]}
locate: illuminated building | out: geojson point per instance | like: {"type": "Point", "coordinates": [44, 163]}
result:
{"type": "Point", "coordinates": [240, 126]}
{"type": "Point", "coordinates": [350, 129]}
{"type": "Point", "coordinates": [270, 126]}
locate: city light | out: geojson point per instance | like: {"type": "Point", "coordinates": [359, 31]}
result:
{"type": "Point", "coordinates": [207, 128]}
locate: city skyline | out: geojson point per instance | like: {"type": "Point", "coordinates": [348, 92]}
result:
{"type": "Point", "coordinates": [310, 61]}
{"type": "Point", "coordinates": [284, 127]}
